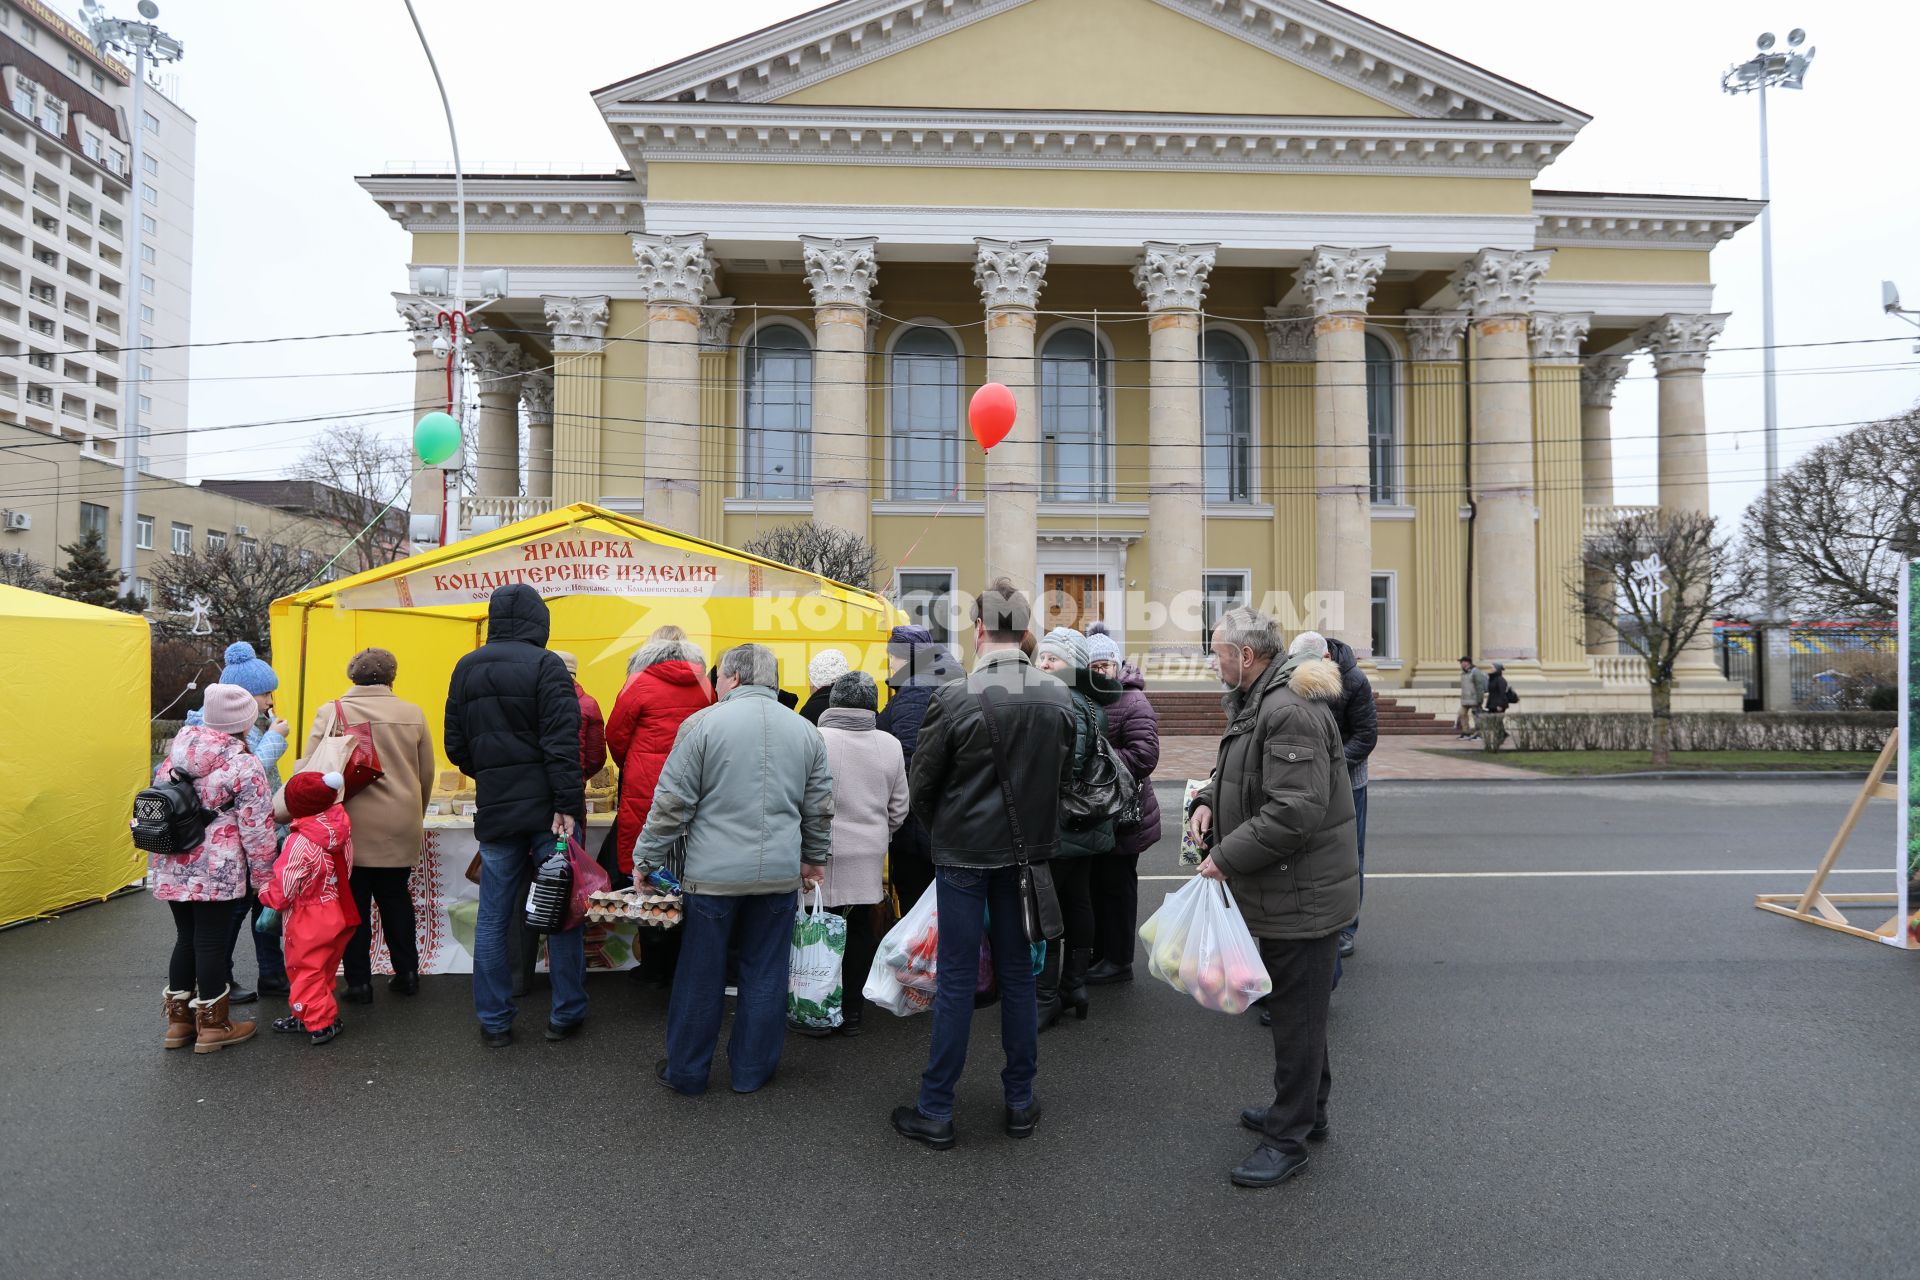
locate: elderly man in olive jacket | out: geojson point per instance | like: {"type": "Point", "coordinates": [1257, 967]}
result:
{"type": "Point", "coordinates": [1278, 817]}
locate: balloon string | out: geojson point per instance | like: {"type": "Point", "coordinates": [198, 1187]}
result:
{"type": "Point", "coordinates": [954, 496]}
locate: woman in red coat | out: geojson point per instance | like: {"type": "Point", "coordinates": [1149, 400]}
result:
{"type": "Point", "coordinates": [666, 683]}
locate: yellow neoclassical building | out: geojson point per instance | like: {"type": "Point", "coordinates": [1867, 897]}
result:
{"type": "Point", "coordinates": [1286, 311]}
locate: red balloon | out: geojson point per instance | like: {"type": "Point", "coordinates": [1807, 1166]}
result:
{"type": "Point", "coordinates": [991, 414]}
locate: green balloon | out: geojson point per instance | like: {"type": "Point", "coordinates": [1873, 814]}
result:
{"type": "Point", "coordinates": [436, 438]}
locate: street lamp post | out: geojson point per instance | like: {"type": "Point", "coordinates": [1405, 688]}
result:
{"type": "Point", "coordinates": [147, 43]}
{"type": "Point", "coordinates": [1770, 68]}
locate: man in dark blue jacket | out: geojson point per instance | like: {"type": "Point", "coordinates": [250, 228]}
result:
{"type": "Point", "coordinates": [513, 726]}
{"type": "Point", "coordinates": [919, 666]}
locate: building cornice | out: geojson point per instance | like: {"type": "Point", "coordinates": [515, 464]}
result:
{"type": "Point", "coordinates": [1568, 220]}
{"type": "Point", "coordinates": [424, 202]}
{"type": "Point", "coordinates": [1330, 41]}
{"type": "Point", "coordinates": [1000, 139]}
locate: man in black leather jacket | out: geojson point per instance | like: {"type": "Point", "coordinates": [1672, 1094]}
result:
{"type": "Point", "coordinates": [513, 726]}
{"type": "Point", "coordinates": [956, 792]}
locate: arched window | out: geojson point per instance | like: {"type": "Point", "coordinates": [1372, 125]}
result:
{"type": "Point", "coordinates": [925, 415]}
{"type": "Point", "coordinates": [777, 447]}
{"type": "Point", "coordinates": [1383, 433]}
{"type": "Point", "coordinates": [1226, 414]}
{"type": "Point", "coordinates": [1073, 418]}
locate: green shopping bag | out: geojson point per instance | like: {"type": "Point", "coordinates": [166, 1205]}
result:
{"type": "Point", "coordinates": [813, 966]}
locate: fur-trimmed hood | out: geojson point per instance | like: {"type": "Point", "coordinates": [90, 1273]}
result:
{"type": "Point", "coordinates": [1316, 678]}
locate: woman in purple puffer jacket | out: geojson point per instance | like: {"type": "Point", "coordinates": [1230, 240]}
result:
{"type": "Point", "coordinates": [1134, 730]}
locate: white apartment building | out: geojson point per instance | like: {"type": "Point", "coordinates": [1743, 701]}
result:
{"type": "Point", "coordinates": [68, 204]}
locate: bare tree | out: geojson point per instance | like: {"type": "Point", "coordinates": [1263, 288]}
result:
{"type": "Point", "coordinates": [1652, 581]}
{"type": "Point", "coordinates": [360, 473]}
{"type": "Point", "coordinates": [18, 569]}
{"type": "Point", "coordinates": [832, 553]}
{"type": "Point", "coordinates": [238, 584]}
{"type": "Point", "coordinates": [1846, 515]}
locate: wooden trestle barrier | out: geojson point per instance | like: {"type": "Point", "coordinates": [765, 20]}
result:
{"type": "Point", "coordinates": [1815, 906]}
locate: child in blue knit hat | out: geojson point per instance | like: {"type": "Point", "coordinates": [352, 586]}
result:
{"type": "Point", "coordinates": [268, 737]}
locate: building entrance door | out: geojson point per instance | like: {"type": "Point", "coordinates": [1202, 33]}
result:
{"type": "Point", "coordinates": [1075, 600]}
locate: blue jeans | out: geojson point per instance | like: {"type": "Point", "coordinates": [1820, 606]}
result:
{"type": "Point", "coordinates": [974, 903]}
{"type": "Point", "coordinates": [1360, 838]}
{"type": "Point", "coordinates": [762, 923]}
{"type": "Point", "coordinates": [505, 870]}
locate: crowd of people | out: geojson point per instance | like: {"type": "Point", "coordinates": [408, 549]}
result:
{"type": "Point", "coordinates": [960, 785]}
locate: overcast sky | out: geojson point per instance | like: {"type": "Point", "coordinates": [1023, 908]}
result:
{"type": "Point", "coordinates": [295, 101]}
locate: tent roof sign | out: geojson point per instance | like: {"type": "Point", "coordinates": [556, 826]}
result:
{"type": "Point", "coordinates": [576, 562]}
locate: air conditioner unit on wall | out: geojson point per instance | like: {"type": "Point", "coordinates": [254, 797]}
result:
{"type": "Point", "coordinates": [239, 531]}
{"type": "Point", "coordinates": [19, 521]}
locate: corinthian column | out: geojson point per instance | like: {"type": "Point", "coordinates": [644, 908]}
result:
{"type": "Point", "coordinates": [1599, 376]}
{"type": "Point", "coordinates": [429, 492]}
{"type": "Point", "coordinates": [536, 396]}
{"type": "Point", "coordinates": [1556, 339]}
{"type": "Point", "coordinates": [1497, 286]}
{"type": "Point", "coordinates": [1339, 284]}
{"type": "Point", "coordinates": [1679, 345]}
{"type": "Point", "coordinates": [716, 414]}
{"type": "Point", "coordinates": [1172, 279]}
{"type": "Point", "coordinates": [676, 275]}
{"type": "Point", "coordinates": [841, 273]}
{"type": "Point", "coordinates": [497, 365]}
{"type": "Point", "coordinates": [1010, 275]}
{"type": "Point", "coordinates": [579, 328]}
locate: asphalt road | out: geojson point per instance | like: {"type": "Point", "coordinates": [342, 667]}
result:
{"type": "Point", "coordinates": [1535, 1077]}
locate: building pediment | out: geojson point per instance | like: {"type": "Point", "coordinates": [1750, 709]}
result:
{"type": "Point", "coordinates": [1251, 85]}
{"type": "Point", "coordinates": [1401, 75]}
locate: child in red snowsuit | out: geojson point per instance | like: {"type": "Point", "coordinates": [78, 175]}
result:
{"type": "Point", "coordinates": [309, 887]}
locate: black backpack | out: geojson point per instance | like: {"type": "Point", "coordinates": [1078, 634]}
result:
{"type": "Point", "coordinates": [168, 818]}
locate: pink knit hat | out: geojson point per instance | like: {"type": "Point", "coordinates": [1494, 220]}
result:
{"type": "Point", "coordinates": [228, 708]}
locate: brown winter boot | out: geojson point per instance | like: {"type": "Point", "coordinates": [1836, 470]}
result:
{"type": "Point", "coordinates": [217, 1029]}
{"type": "Point", "coordinates": [180, 1027]}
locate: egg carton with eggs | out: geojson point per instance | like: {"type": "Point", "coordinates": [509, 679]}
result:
{"type": "Point", "coordinates": [615, 906]}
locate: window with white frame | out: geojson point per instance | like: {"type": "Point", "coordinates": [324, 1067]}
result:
{"type": "Point", "coordinates": [99, 83]}
{"type": "Point", "coordinates": [1226, 414]}
{"type": "Point", "coordinates": [148, 194]}
{"type": "Point", "coordinates": [73, 64]}
{"type": "Point", "coordinates": [23, 96]}
{"type": "Point", "coordinates": [1385, 616]}
{"type": "Point", "coordinates": [777, 448]}
{"type": "Point", "coordinates": [93, 519]}
{"type": "Point", "coordinates": [143, 533]}
{"type": "Point", "coordinates": [146, 283]}
{"type": "Point", "coordinates": [151, 121]}
{"type": "Point", "coordinates": [148, 253]}
{"type": "Point", "coordinates": [1383, 432]}
{"type": "Point", "coordinates": [249, 548]}
{"type": "Point", "coordinates": [143, 590]}
{"type": "Point", "coordinates": [1074, 388]}
{"type": "Point", "coordinates": [150, 163]}
{"type": "Point", "coordinates": [29, 33]}
{"type": "Point", "coordinates": [148, 225]}
{"type": "Point", "coordinates": [146, 404]}
{"type": "Point", "coordinates": [926, 596]}
{"type": "Point", "coordinates": [182, 539]}
{"type": "Point", "coordinates": [146, 314]}
{"type": "Point", "coordinates": [53, 114]}
{"type": "Point", "coordinates": [216, 540]}
{"type": "Point", "coordinates": [1221, 590]}
{"type": "Point", "coordinates": [925, 414]}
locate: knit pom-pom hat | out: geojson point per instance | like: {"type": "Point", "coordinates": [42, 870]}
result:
{"type": "Point", "coordinates": [248, 671]}
{"type": "Point", "coordinates": [309, 793]}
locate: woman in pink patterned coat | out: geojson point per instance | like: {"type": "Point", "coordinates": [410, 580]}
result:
{"type": "Point", "coordinates": [202, 887]}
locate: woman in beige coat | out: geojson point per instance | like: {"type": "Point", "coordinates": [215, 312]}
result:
{"type": "Point", "coordinates": [386, 819]}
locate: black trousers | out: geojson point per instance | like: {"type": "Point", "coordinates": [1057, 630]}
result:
{"type": "Point", "coordinates": [910, 872]}
{"type": "Point", "coordinates": [202, 957]}
{"type": "Point", "coordinates": [1073, 882]}
{"type": "Point", "coordinates": [862, 944]}
{"type": "Point", "coordinates": [1116, 907]}
{"type": "Point", "coordinates": [387, 886]}
{"type": "Point", "coordinates": [1302, 973]}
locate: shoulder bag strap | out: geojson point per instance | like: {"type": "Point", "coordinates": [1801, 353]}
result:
{"type": "Point", "coordinates": [1000, 771]}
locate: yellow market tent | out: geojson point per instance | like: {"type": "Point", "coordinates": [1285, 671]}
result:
{"type": "Point", "coordinates": [74, 746]}
{"type": "Point", "coordinates": [608, 579]}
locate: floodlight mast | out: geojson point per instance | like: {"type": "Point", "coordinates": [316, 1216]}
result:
{"type": "Point", "coordinates": [1771, 68]}
{"type": "Point", "coordinates": [147, 43]}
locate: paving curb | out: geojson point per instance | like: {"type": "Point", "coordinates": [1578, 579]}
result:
{"type": "Point", "coordinates": [1675, 775]}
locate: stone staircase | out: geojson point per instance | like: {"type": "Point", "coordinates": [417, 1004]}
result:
{"type": "Point", "coordinates": [1199, 715]}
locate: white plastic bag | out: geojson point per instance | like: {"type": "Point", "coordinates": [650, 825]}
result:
{"type": "Point", "coordinates": [1198, 943]}
{"type": "Point", "coordinates": [813, 966]}
{"type": "Point", "coordinates": [911, 948]}
{"type": "Point", "coordinates": [883, 989]}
